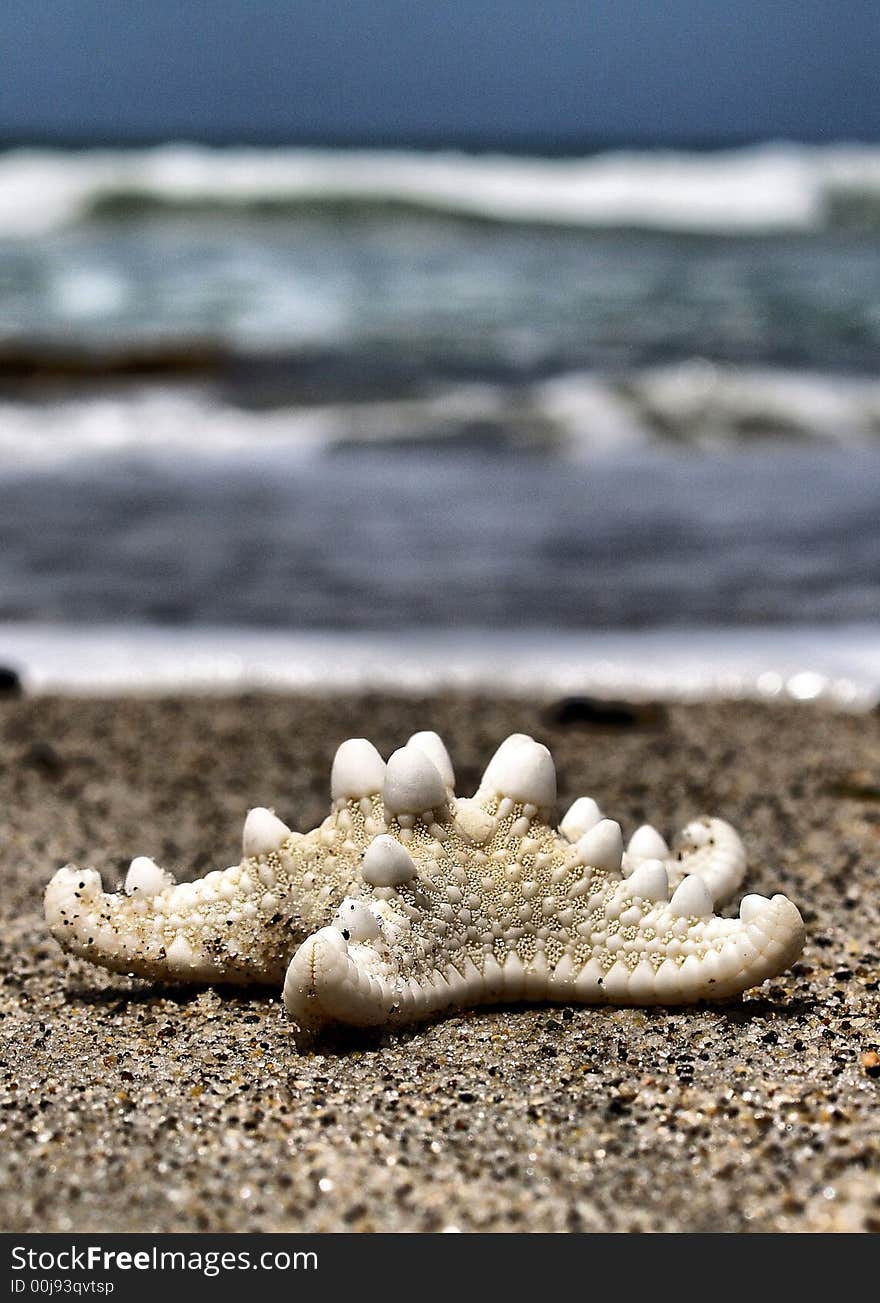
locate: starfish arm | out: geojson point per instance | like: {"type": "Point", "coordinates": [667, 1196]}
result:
{"type": "Point", "coordinates": [707, 847]}
{"type": "Point", "coordinates": [230, 926]}
{"type": "Point", "coordinates": [499, 906]}
{"type": "Point", "coordinates": [333, 981]}
{"type": "Point", "coordinates": [239, 925]}
{"type": "Point", "coordinates": [711, 849]}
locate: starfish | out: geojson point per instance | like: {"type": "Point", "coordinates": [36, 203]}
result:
{"type": "Point", "coordinates": [407, 901]}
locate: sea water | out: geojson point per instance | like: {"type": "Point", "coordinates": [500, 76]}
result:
{"type": "Point", "coordinates": [380, 394]}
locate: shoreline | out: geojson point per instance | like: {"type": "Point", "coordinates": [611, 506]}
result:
{"type": "Point", "coordinates": [838, 664]}
{"type": "Point", "coordinates": [128, 1107]}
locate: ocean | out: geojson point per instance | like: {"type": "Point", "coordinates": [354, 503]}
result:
{"type": "Point", "coordinates": [371, 395]}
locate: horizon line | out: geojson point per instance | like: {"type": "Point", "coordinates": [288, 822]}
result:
{"type": "Point", "coordinates": [556, 145]}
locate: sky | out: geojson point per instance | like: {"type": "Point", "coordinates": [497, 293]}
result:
{"type": "Point", "coordinates": [496, 71]}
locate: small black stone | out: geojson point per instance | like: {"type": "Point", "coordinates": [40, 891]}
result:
{"type": "Point", "coordinates": [593, 712]}
{"type": "Point", "coordinates": [10, 682]}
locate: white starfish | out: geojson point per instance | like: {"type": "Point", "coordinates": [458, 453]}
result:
{"type": "Point", "coordinates": [407, 900]}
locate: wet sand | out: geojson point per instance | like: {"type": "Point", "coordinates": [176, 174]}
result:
{"type": "Point", "coordinates": [125, 1107]}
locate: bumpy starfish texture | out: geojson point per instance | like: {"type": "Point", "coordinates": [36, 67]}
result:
{"type": "Point", "coordinates": [471, 901]}
{"type": "Point", "coordinates": [407, 900]}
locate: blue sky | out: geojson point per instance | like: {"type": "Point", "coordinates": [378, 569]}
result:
{"type": "Point", "coordinates": [668, 70]}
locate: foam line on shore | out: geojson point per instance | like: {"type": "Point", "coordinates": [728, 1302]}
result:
{"type": "Point", "coordinates": [837, 664]}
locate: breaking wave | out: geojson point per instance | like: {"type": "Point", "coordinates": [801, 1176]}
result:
{"type": "Point", "coordinates": [776, 187]}
{"type": "Point", "coordinates": [692, 404]}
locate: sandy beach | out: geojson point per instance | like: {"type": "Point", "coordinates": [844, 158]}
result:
{"type": "Point", "coordinates": [131, 1108]}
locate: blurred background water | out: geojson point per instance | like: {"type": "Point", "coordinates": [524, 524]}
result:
{"type": "Point", "coordinates": [378, 388]}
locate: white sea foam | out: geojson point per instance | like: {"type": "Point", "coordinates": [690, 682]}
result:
{"type": "Point", "coordinates": [693, 403]}
{"type": "Point", "coordinates": [169, 424]}
{"type": "Point", "coordinates": [699, 402]}
{"type": "Point", "coordinates": [838, 664]}
{"type": "Point", "coordinates": [768, 187]}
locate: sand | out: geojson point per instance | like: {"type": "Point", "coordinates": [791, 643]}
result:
{"type": "Point", "coordinates": [126, 1107]}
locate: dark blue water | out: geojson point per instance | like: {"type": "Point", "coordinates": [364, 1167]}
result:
{"type": "Point", "coordinates": [364, 539]}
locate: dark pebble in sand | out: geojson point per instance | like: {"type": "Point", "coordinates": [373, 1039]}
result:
{"type": "Point", "coordinates": [10, 682]}
{"type": "Point", "coordinates": [871, 1063]}
{"type": "Point", "coordinates": [594, 712]}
